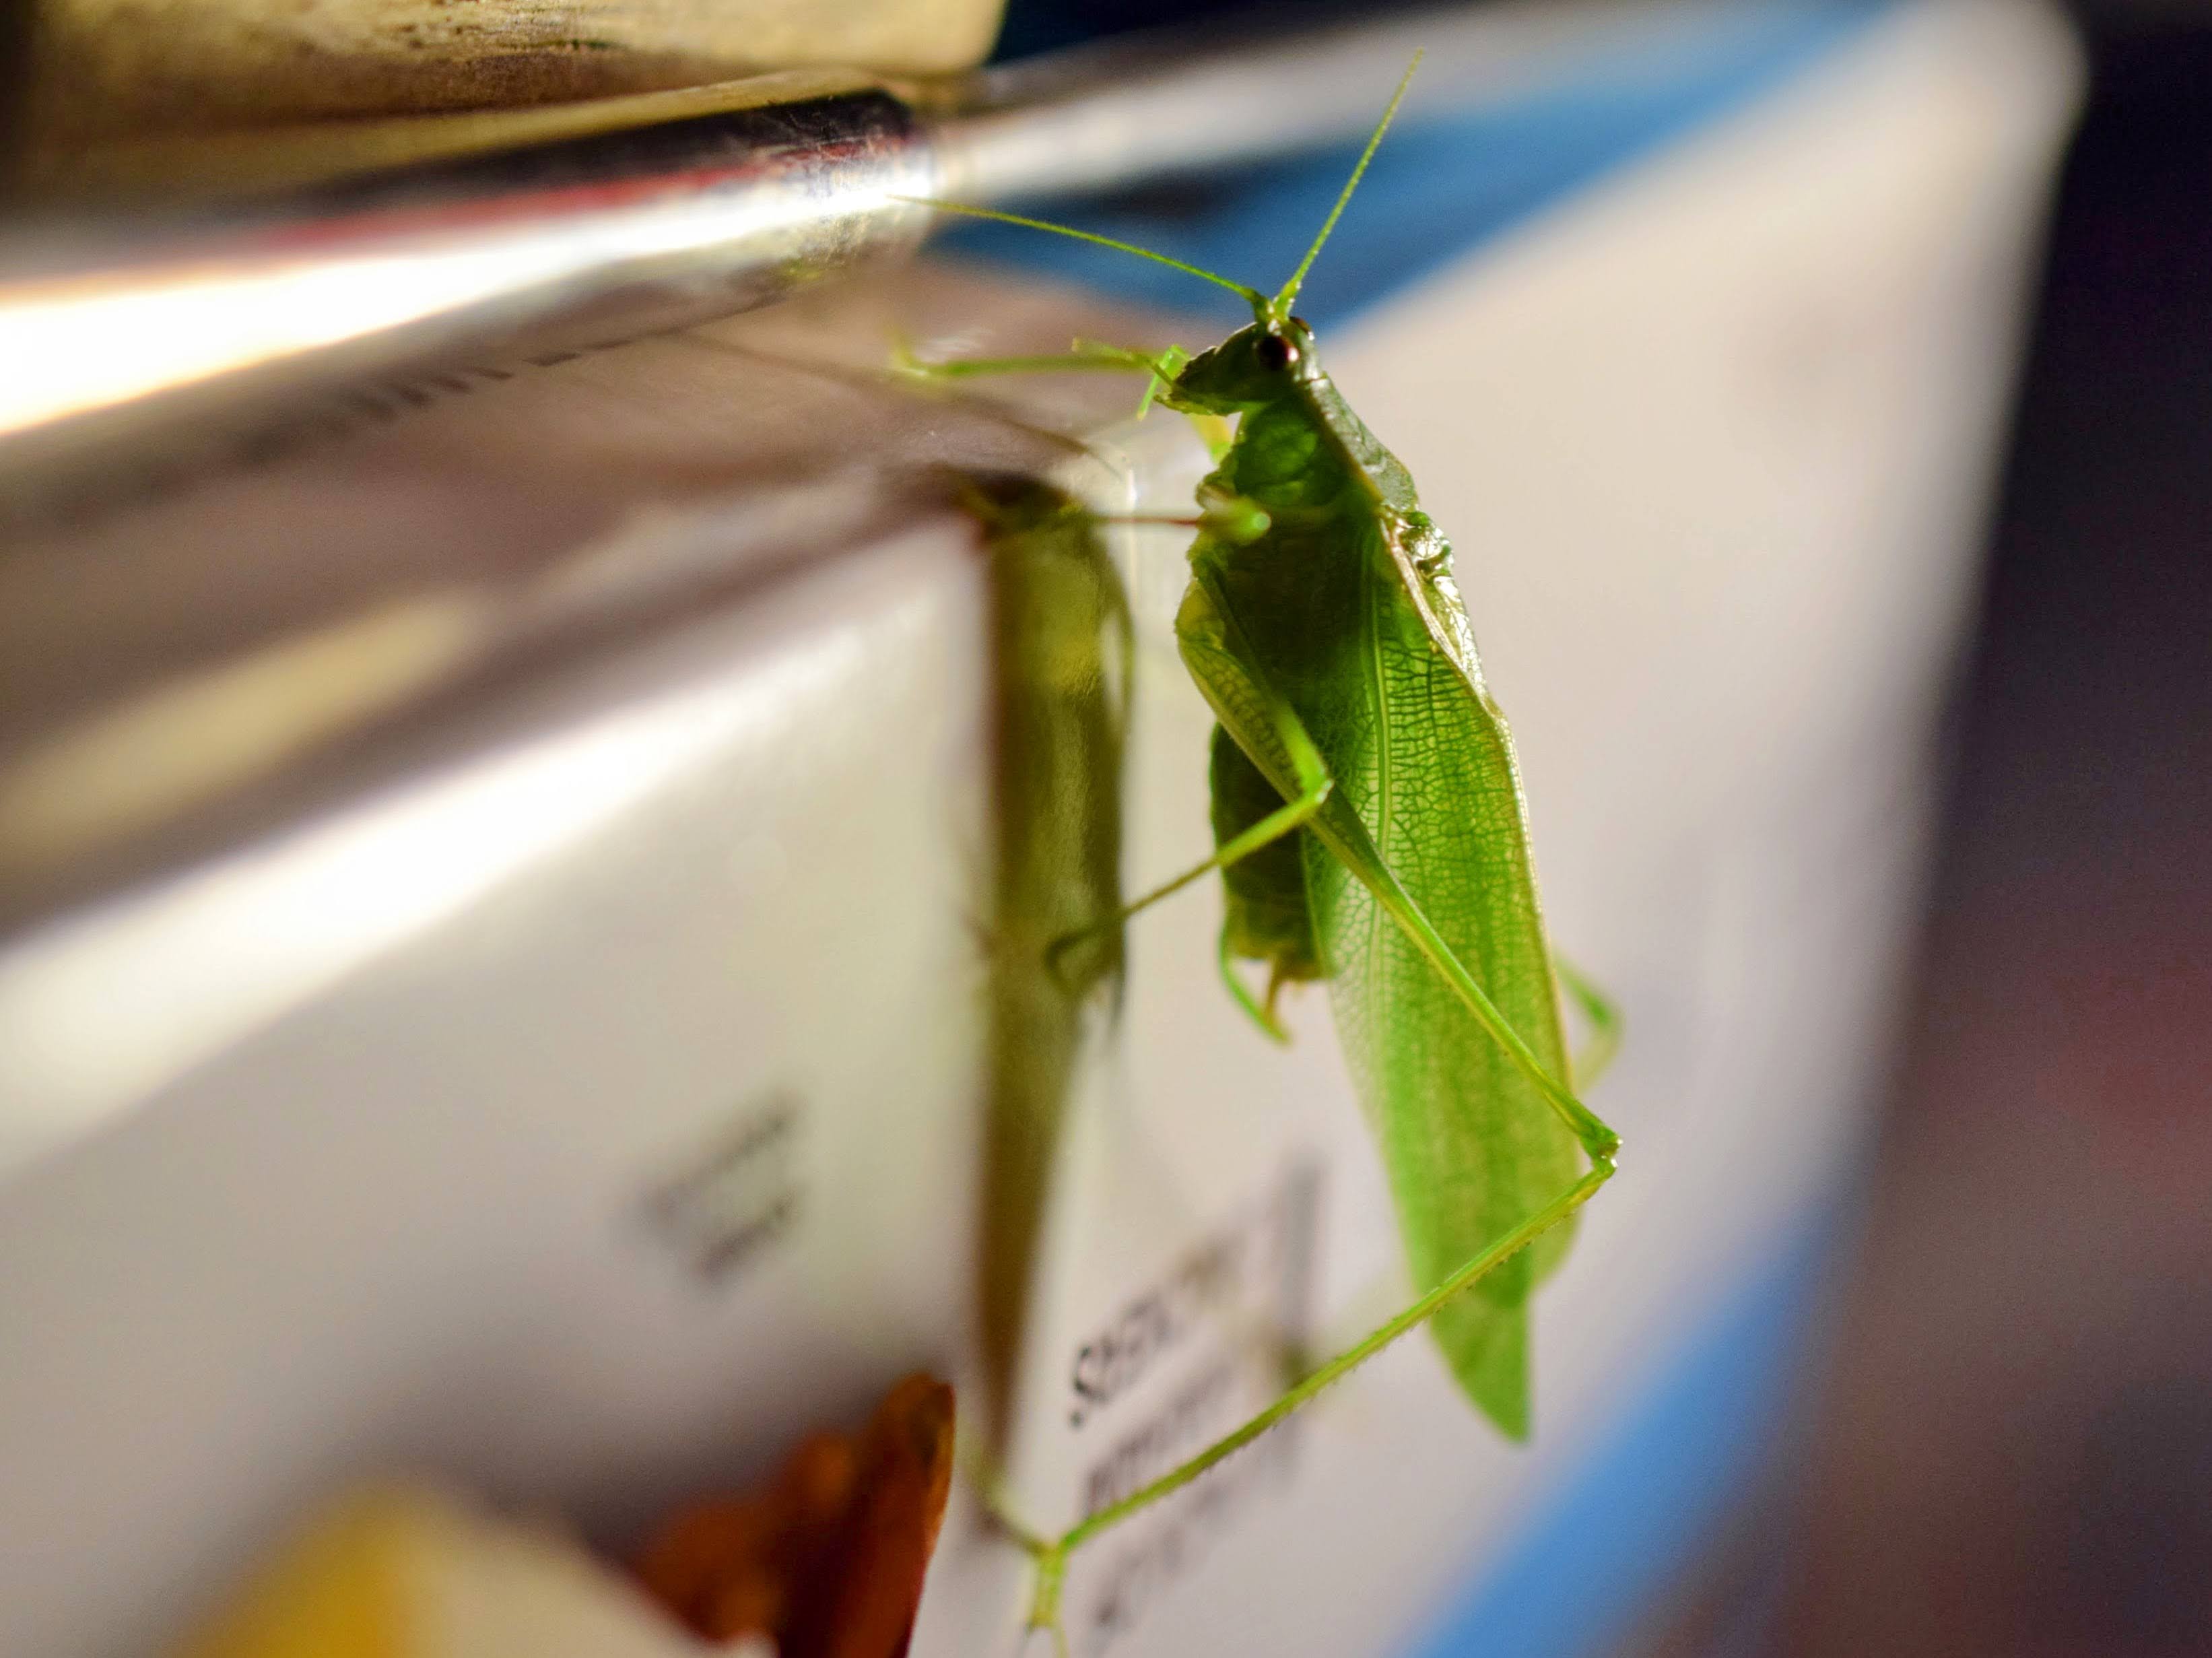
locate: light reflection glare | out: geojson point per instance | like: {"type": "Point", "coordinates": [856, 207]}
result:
{"type": "Point", "coordinates": [78, 344]}
{"type": "Point", "coordinates": [88, 345]}
{"type": "Point", "coordinates": [97, 1013]}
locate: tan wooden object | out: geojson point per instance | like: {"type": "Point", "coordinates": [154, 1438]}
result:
{"type": "Point", "coordinates": [102, 68]}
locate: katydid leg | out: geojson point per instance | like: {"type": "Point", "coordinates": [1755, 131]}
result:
{"type": "Point", "coordinates": [1276, 825]}
{"type": "Point", "coordinates": [1091, 356]}
{"type": "Point", "coordinates": [1051, 1557]}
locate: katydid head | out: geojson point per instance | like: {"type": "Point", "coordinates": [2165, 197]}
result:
{"type": "Point", "coordinates": [1256, 365]}
{"type": "Point", "coordinates": [1253, 366]}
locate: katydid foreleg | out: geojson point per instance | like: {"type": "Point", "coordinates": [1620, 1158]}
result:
{"type": "Point", "coordinates": [1087, 356]}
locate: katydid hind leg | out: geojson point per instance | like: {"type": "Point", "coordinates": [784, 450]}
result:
{"type": "Point", "coordinates": [1053, 1557]}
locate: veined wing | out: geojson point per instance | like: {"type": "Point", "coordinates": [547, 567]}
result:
{"type": "Point", "coordinates": [1428, 800]}
{"type": "Point", "coordinates": [1425, 762]}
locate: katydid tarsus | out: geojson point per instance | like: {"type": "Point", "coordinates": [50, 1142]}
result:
{"type": "Point", "coordinates": [1371, 833]}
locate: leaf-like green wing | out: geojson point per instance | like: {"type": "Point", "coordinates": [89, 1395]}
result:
{"type": "Point", "coordinates": [1372, 654]}
{"type": "Point", "coordinates": [1471, 1147]}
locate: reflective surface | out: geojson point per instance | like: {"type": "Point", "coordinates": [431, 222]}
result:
{"type": "Point", "coordinates": [475, 238]}
{"type": "Point", "coordinates": [598, 236]}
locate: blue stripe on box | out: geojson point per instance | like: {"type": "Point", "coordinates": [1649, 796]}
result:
{"type": "Point", "coordinates": [1438, 188]}
{"type": "Point", "coordinates": [1599, 1553]}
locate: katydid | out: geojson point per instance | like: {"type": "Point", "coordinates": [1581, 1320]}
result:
{"type": "Point", "coordinates": [1371, 832]}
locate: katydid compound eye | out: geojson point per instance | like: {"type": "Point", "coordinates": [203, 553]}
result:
{"type": "Point", "coordinates": [1275, 352]}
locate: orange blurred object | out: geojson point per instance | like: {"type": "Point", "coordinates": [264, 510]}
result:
{"type": "Point", "coordinates": [827, 1560]}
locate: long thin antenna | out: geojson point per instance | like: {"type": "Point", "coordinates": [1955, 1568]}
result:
{"type": "Point", "coordinates": [1282, 302]}
{"type": "Point", "coordinates": [1252, 296]}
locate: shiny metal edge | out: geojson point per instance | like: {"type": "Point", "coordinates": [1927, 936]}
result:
{"type": "Point", "coordinates": [162, 352]}
{"type": "Point", "coordinates": [487, 237]}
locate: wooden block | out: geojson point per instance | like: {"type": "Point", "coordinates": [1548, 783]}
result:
{"type": "Point", "coordinates": [107, 67]}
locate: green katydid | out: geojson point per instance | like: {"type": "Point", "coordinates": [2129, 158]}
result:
{"type": "Point", "coordinates": [1371, 832]}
